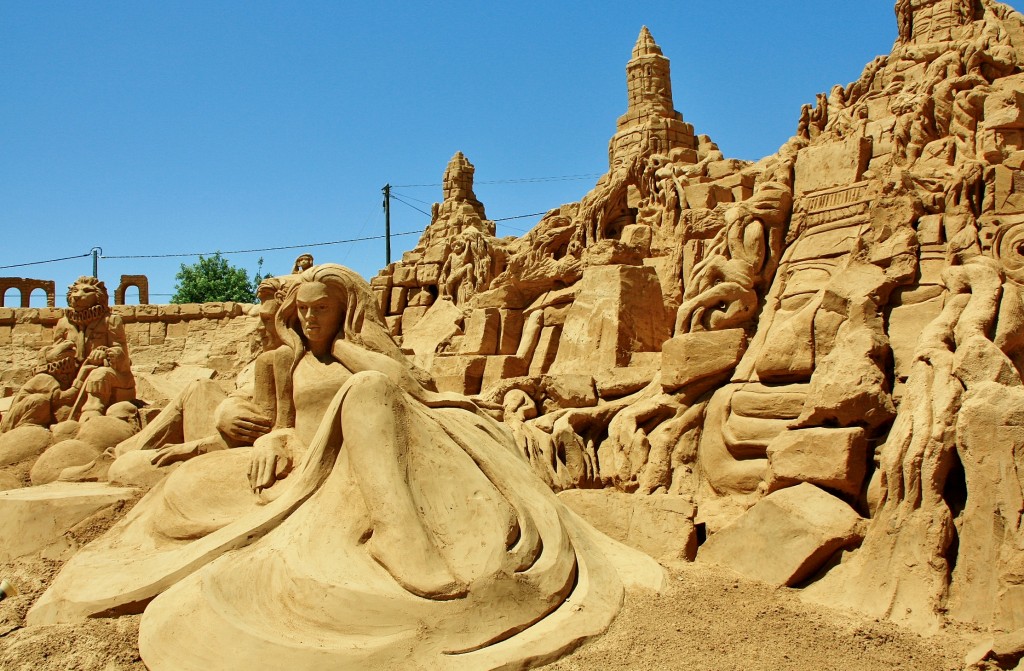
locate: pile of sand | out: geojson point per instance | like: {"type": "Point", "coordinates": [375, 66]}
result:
{"type": "Point", "coordinates": [710, 619]}
{"type": "Point", "coordinates": [706, 619]}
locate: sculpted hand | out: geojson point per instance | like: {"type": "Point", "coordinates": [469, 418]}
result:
{"type": "Point", "coordinates": [271, 460]}
{"type": "Point", "coordinates": [244, 426]}
{"type": "Point", "coordinates": [174, 453]}
{"type": "Point", "coordinates": [97, 356]}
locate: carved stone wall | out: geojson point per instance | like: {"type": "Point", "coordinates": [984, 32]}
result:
{"type": "Point", "coordinates": [26, 286]}
{"type": "Point", "coordinates": [218, 336]}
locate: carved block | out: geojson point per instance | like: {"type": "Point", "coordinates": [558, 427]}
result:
{"type": "Point", "coordinates": [503, 367]}
{"type": "Point", "coordinates": [830, 165]}
{"type": "Point", "coordinates": [157, 333]}
{"type": "Point", "coordinates": [383, 296]}
{"type": "Point", "coordinates": [695, 356]}
{"type": "Point", "coordinates": [428, 273]}
{"type": "Point", "coordinates": [436, 252]}
{"type": "Point", "coordinates": [420, 297]}
{"type": "Point", "coordinates": [177, 330]}
{"type": "Point", "coordinates": [1009, 190]}
{"type": "Point", "coordinates": [832, 458]}
{"type": "Point", "coordinates": [50, 316]}
{"type": "Point", "coordinates": [214, 310]}
{"type": "Point", "coordinates": [618, 311]}
{"type": "Point", "coordinates": [412, 316]}
{"type": "Point", "coordinates": [37, 518]}
{"type": "Point", "coordinates": [547, 348]}
{"type": "Point", "coordinates": [405, 276]}
{"type": "Point", "coordinates": [461, 374]}
{"type": "Point", "coordinates": [399, 295]}
{"type": "Point", "coordinates": [511, 330]}
{"type": "Point", "coordinates": [481, 332]}
{"type": "Point", "coordinates": [147, 313]}
{"type": "Point", "coordinates": [785, 537]}
{"type": "Point", "coordinates": [660, 525]}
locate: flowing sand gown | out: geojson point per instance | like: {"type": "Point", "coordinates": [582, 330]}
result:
{"type": "Point", "coordinates": [329, 568]}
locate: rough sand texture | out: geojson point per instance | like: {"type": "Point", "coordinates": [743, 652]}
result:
{"type": "Point", "coordinates": [708, 619]}
{"type": "Point", "coordinates": [96, 645]}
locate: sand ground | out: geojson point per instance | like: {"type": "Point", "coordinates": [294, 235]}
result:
{"type": "Point", "coordinates": [707, 619]}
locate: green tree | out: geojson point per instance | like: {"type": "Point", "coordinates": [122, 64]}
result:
{"type": "Point", "coordinates": [213, 279]}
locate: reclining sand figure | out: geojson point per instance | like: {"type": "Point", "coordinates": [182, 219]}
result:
{"type": "Point", "coordinates": [201, 418]}
{"type": "Point", "coordinates": [379, 525]}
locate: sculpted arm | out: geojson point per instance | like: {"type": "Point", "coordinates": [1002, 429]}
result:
{"type": "Point", "coordinates": [358, 359]}
{"type": "Point", "coordinates": [117, 351]}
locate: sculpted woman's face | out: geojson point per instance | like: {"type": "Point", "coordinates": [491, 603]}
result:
{"type": "Point", "coordinates": [320, 315]}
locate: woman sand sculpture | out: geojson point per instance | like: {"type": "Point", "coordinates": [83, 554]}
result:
{"type": "Point", "coordinates": [378, 525]}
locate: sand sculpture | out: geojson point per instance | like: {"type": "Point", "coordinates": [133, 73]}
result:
{"type": "Point", "coordinates": [87, 367]}
{"type": "Point", "coordinates": [25, 287]}
{"type": "Point", "coordinates": [454, 552]}
{"type": "Point", "coordinates": [813, 361]}
{"type": "Point", "coordinates": [841, 314]}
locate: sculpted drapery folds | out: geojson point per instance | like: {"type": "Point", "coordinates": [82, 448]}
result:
{"type": "Point", "coordinates": [369, 490]}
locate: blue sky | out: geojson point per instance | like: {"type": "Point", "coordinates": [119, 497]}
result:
{"type": "Point", "coordinates": [170, 127]}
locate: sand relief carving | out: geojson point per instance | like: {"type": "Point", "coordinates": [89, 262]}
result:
{"type": "Point", "coordinates": [302, 263]}
{"type": "Point", "coordinates": [835, 329]}
{"type": "Point", "coordinates": [87, 367]}
{"type": "Point", "coordinates": [201, 418]}
{"type": "Point", "coordinates": [355, 491]}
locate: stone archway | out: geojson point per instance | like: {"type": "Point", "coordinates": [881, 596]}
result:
{"type": "Point", "coordinates": [140, 282]}
{"type": "Point", "coordinates": [26, 286]}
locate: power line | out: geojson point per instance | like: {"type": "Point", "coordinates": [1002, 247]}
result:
{"type": "Point", "coordinates": [521, 216]}
{"type": "Point", "coordinates": [36, 263]}
{"type": "Point", "coordinates": [261, 249]}
{"type": "Point", "coordinates": [418, 200]}
{"type": "Point", "coordinates": [410, 205]}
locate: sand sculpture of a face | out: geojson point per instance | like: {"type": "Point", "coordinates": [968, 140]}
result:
{"type": "Point", "coordinates": [85, 293]}
{"type": "Point", "coordinates": [320, 314]}
{"type": "Point", "coordinates": [302, 263]}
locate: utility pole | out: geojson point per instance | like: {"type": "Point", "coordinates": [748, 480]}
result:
{"type": "Point", "coordinates": [387, 224]}
{"type": "Point", "coordinates": [96, 251]}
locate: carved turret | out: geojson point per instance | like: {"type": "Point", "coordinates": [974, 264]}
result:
{"type": "Point", "coordinates": [460, 210]}
{"type": "Point", "coordinates": [930, 21]}
{"type": "Point", "coordinates": [650, 123]}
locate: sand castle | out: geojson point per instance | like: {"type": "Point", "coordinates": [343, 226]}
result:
{"type": "Point", "coordinates": [806, 369]}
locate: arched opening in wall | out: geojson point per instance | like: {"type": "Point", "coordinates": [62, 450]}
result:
{"type": "Point", "coordinates": [37, 298]}
{"type": "Point", "coordinates": [131, 295]}
{"type": "Point", "coordinates": [12, 298]}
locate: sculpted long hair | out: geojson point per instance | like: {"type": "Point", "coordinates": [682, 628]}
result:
{"type": "Point", "coordinates": [361, 324]}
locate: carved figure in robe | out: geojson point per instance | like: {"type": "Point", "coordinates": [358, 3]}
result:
{"type": "Point", "coordinates": [402, 524]}
{"type": "Point", "coordinates": [201, 418]}
{"type": "Point", "coordinates": [458, 275]}
{"type": "Point", "coordinates": [302, 262]}
{"type": "Point", "coordinates": [91, 342]}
